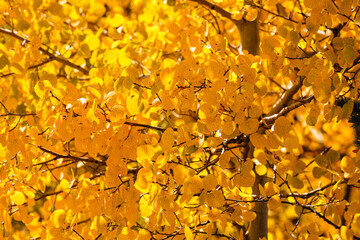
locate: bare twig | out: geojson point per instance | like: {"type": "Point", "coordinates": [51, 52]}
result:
{"type": "Point", "coordinates": [14, 114]}
{"type": "Point", "coordinates": [48, 195]}
{"type": "Point", "coordinates": [58, 155]}
{"type": "Point", "coordinates": [42, 63]}
{"type": "Point", "coordinates": [6, 75]}
{"type": "Point", "coordinates": [145, 126]}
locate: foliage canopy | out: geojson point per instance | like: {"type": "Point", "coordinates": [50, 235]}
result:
{"type": "Point", "coordinates": [169, 120]}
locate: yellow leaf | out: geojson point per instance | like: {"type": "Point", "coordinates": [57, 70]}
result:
{"type": "Point", "coordinates": [117, 113]}
{"type": "Point", "coordinates": [258, 140]}
{"type": "Point", "coordinates": [318, 172]}
{"type": "Point", "coordinates": [58, 217]}
{"type": "Point", "coordinates": [167, 73]}
{"type": "Point", "coordinates": [215, 199]}
{"type": "Point", "coordinates": [251, 15]}
{"type": "Point", "coordinates": [193, 185]}
{"type": "Point", "coordinates": [347, 165]}
{"type": "Point", "coordinates": [274, 202]}
{"type": "Point", "coordinates": [161, 160]}
{"type": "Point", "coordinates": [18, 198]}
{"type": "Point", "coordinates": [3, 61]}
{"type": "Point", "coordinates": [248, 125]}
{"type": "Point", "coordinates": [347, 109]}
{"type": "Point", "coordinates": [145, 154]}
{"type": "Point", "coordinates": [228, 127]}
{"type": "Point", "coordinates": [246, 166]}
{"type": "Point", "coordinates": [143, 179]}
{"type": "Point", "coordinates": [132, 104]}
{"type": "Point", "coordinates": [111, 56]}
{"type": "Point", "coordinates": [110, 99]}
{"type": "Point", "coordinates": [346, 233]}
{"type": "Point", "coordinates": [296, 182]}
{"type": "Point", "coordinates": [225, 160]}
{"type": "Point", "coordinates": [260, 169]}
{"type": "Point", "coordinates": [332, 155]}
{"type": "Point", "coordinates": [237, 15]}
{"type": "Point", "coordinates": [116, 20]}
{"type": "Point", "coordinates": [92, 41]}
{"type": "Point", "coordinates": [270, 189]}
{"type": "Point", "coordinates": [41, 87]}
{"type": "Point", "coordinates": [167, 139]}
{"type": "Point", "coordinates": [64, 184]}
{"type": "Point", "coordinates": [310, 3]}
{"type": "Point", "coordinates": [214, 142]}
{"type": "Point", "coordinates": [210, 182]}
{"type": "Point", "coordinates": [143, 235]}
{"type": "Point", "coordinates": [180, 173]}
{"type": "Point", "coordinates": [146, 208]}
{"type": "Point", "coordinates": [349, 54]}
{"type": "Point", "coordinates": [215, 70]}
{"type": "Point", "coordinates": [92, 117]}
{"type": "Point", "coordinates": [282, 126]}
{"type": "Point", "coordinates": [188, 233]}
{"type": "Point", "coordinates": [249, 216]}
{"type": "Point", "coordinates": [123, 58]}
{"type": "Point", "coordinates": [95, 92]}
{"type": "Point", "coordinates": [244, 180]}
{"type": "Point", "coordinates": [321, 160]}
{"type": "Point", "coordinates": [168, 102]}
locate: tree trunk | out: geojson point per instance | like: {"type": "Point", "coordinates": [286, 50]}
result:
{"type": "Point", "coordinates": [249, 36]}
{"type": "Point", "coordinates": [259, 227]}
{"type": "Point", "coordinates": [249, 33]}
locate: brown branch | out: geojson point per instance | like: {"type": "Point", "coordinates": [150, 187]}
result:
{"type": "Point", "coordinates": [48, 195]}
{"type": "Point", "coordinates": [42, 63]}
{"type": "Point", "coordinates": [145, 126]}
{"type": "Point", "coordinates": [216, 8]}
{"type": "Point", "coordinates": [56, 57]}
{"type": "Point", "coordinates": [271, 119]}
{"type": "Point", "coordinates": [270, 12]}
{"type": "Point", "coordinates": [308, 194]}
{"type": "Point", "coordinates": [277, 84]}
{"type": "Point", "coordinates": [64, 61]}
{"type": "Point", "coordinates": [285, 98]}
{"type": "Point", "coordinates": [77, 233]}
{"type": "Point", "coordinates": [83, 159]}
{"type": "Point", "coordinates": [249, 30]}
{"type": "Point", "coordinates": [318, 214]}
{"type": "Point", "coordinates": [6, 75]}
{"type": "Point", "coordinates": [31, 67]}
{"type": "Point", "coordinates": [8, 113]}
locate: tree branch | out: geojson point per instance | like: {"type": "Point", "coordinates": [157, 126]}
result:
{"type": "Point", "coordinates": [271, 119]}
{"type": "Point", "coordinates": [216, 8]}
{"type": "Point", "coordinates": [308, 194]}
{"type": "Point", "coordinates": [56, 57]}
{"type": "Point", "coordinates": [14, 114]}
{"type": "Point", "coordinates": [249, 30]}
{"type": "Point", "coordinates": [145, 126]}
{"type": "Point", "coordinates": [83, 159]}
{"type": "Point", "coordinates": [282, 102]}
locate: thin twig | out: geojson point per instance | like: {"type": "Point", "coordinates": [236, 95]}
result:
{"type": "Point", "coordinates": [8, 113]}
{"type": "Point", "coordinates": [58, 155]}
{"type": "Point", "coordinates": [145, 126]}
